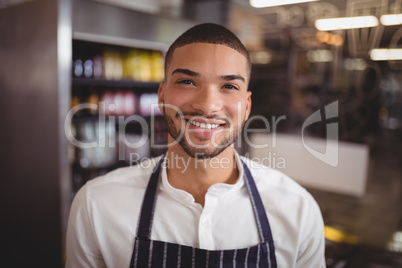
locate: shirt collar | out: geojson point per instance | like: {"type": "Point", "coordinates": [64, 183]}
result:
{"type": "Point", "coordinates": [217, 189]}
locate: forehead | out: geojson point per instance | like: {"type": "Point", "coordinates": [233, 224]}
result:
{"type": "Point", "coordinates": [204, 57]}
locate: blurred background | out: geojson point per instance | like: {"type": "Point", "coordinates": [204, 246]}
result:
{"type": "Point", "coordinates": [78, 79]}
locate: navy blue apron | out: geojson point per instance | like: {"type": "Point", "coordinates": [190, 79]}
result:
{"type": "Point", "coordinates": [150, 253]}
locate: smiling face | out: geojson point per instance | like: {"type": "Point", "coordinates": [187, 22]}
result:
{"type": "Point", "coordinates": [205, 98]}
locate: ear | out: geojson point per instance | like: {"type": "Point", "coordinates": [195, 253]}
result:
{"type": "Point", "coordinates": [161, 96]}
{"type": "Point", "coordinates": [248, 105]}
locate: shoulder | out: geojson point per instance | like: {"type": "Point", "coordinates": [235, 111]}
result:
{"type": "Point", "coordinates": [120, 181]}
{"type": "Point", "coordinates": [292, 210]}
{"type": "Point", "coordinates": [294, 216]}
{"type": "Point", "coordinates": [138, 173]}
{"type": "Point", "coordinates": [274, 178]}
{"type": "Point", "coordinates": [277, 186]}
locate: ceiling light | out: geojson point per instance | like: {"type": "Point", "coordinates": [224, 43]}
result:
{"type": "Point", "coordinates": [386, 54]}
{"type": "Point", "coordinates": [320, 56]}
{"type": "Point", "coordinates": [272, 3]}
{"type": "Point", "coordinates": [355, 64]}
{"type": "Point", "coordinates": [391, 19]}
{"type": "Point", "coordinates": [346, 23]}
{"type": "Point", "coordinates": [260, 57]}
{"type": "Point", "coordinates": [330, 39]}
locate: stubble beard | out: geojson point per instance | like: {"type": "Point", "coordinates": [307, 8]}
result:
{"type": "Point", "coordinates": [193, 151]}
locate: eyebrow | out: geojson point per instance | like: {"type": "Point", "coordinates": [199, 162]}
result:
{"type": "Point", "coordinates": [224, 77]}
{"type": "Point", "coordinates": [233, 77]}
{"type": "Point", "coordinates": [186, 71]}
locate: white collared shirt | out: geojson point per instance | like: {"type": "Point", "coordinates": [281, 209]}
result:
{"type": "Point", "coordinates": [104, 216]}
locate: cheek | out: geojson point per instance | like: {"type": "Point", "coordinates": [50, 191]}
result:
{"type": "Point", "coordinates": [175, 103]}
{"type": "Point", "coordinates": [237, 108]}
{"type": "Point", "coordinates": [176, 98]}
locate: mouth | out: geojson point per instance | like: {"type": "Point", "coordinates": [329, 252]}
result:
{"type": "Point", "coordinates": [203, 125]}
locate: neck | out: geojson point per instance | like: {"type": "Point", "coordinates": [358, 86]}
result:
{"type": "Point", "coordinates": [196, 175]}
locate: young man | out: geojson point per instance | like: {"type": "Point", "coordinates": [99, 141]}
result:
{"type": "Point", "coordinates": [201, 204]}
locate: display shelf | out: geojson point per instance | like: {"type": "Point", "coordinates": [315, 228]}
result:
{"type": "Point", "coordinates": [127, 78]}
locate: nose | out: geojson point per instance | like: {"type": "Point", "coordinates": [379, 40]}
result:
{"type": "Point", "coordinates": [207, 101]}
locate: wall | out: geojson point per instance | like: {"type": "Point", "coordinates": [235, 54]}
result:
{"type": "Point", "coordinates": [34, 173]}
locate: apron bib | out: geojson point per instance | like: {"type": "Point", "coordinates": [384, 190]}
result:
{"type": "Point", "coordinates": [151, 253]}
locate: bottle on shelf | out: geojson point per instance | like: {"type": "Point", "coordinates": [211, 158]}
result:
{"type": "Point", "coordinates": [78, 68]}
{"type": "Point", "coordinates": [132, 65]}
{"type": "Point", "coordinates": [146, 67]}
{"type": "Point", "coordinates": [93, 99]}
{"type": "Point", "coordinates": [98, 66]}
{"type": "Point", "coordinates": [88, 68]}
{"type": "Point", "coordinates": [130, 101]}
{"type": "Point", "coordinates": [157, 67]}
{"type": "Point", "coordinates": [113, 66]}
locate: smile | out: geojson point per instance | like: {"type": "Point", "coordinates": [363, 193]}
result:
{"type": "Point", "coordinates": [203, 125]}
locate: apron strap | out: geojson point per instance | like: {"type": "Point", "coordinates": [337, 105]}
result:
{"type": "Point", "coordinates": [147, 214]}
{"type": "Point", "coordinates": [258, 207]}
{"type": "Point", "coordinates": [148, 206]}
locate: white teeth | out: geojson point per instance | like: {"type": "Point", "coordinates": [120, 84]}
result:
{"type": "Point", "coordinates": [203, 125]}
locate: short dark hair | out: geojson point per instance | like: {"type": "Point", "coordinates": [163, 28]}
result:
{"type": "Point", "coordinates": [210, 33]}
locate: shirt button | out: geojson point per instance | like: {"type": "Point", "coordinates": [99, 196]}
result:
{"type": "Point", "coordinates": [187, 198]}
{"type": "Point", "coordinates": [204, 222]}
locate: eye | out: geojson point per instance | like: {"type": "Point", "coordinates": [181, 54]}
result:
{"type": "Point", "coordinates": [185, 82]}
{"type": "Point", "coordinates": [232, 87]}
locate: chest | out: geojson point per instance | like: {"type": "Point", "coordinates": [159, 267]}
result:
{"type": "Point", "coordinates": [224, 222]}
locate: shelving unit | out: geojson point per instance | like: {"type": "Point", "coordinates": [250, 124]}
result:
{"type": "Point", "coordinates": [119, 99]}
